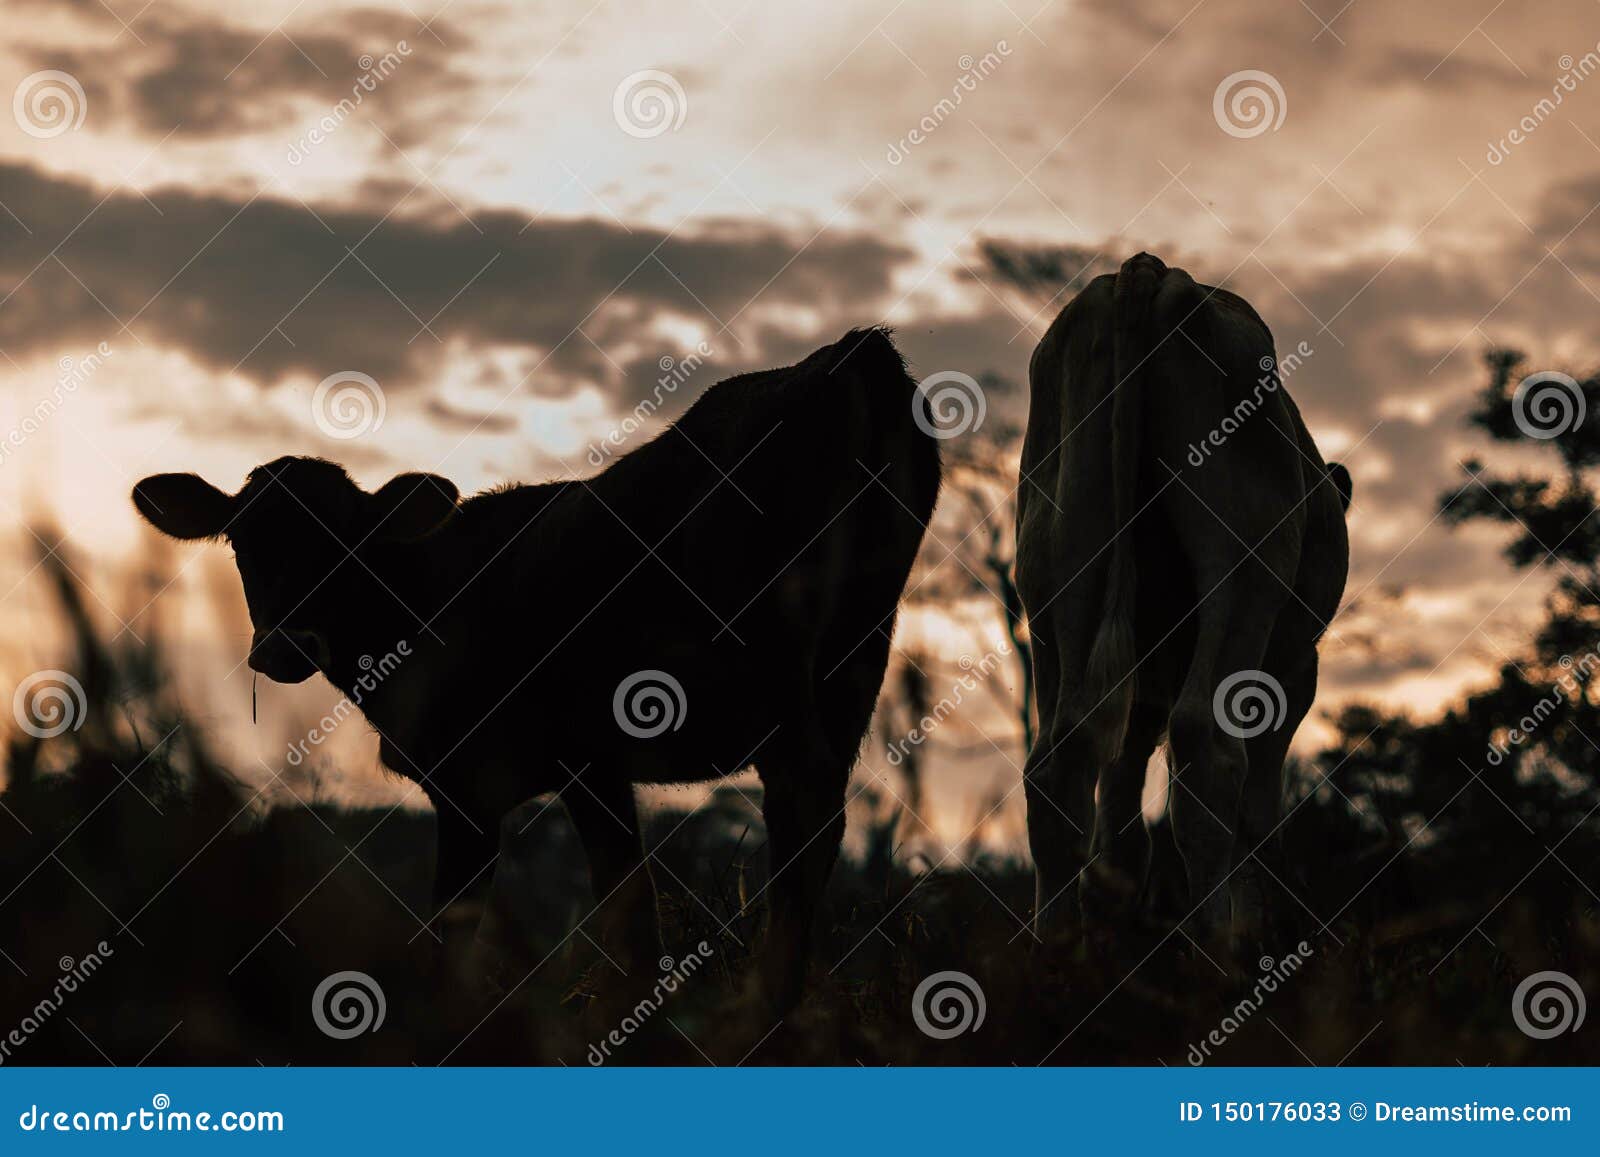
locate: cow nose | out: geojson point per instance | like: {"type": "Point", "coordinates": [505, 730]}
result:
{"type": "Point", "coordinates": [287, 654]}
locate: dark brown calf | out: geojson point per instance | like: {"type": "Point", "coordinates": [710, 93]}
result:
{"type": "Point", "coordinates": [720, 597]}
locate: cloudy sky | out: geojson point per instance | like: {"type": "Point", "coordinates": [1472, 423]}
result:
{"type": "Point", "coordinates": [495, 221]}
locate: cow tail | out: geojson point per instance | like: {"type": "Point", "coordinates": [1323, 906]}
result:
{"type": "Point", "coordinates": [1112, 657]}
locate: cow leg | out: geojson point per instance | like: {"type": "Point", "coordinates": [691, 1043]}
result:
{"type": "Point", "coordinates": [1165, 888]}
{"type": "Point", "coordinates": [1209, 760]}
{"type": "Point", "coordinates": [803, 802]}
{"type": "Point", "coordinates": [468, 848]}
{"type": "Point", "coordinates": [606, 816]}
{"type": "Point", "coordinates": [1059, 774]}
{"type": "Point", "coordinates": [1058, 782]}
{"type": "Point", "coordinates": [1262, 804]}
{"type": "Point", "coordinates": [1114, 877]}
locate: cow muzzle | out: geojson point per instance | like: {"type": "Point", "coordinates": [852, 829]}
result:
{"type": "Point", "coordinates": [287, 655]}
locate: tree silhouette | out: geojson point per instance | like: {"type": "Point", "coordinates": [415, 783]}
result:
{"type": "Point", "coordinates": [1553, 527]}
{"type": "Point", "coordinates": [1513, 770]}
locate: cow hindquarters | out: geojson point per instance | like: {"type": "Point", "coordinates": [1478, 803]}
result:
{"type": "Point", "coordinates": [1261, 812]}
{"type": "Point", "coordinates": [1075, 733]}
{"type": "Point", "coordinates": [1058, 781]}
{"type": "Point", "coordinates": [1220, 706]}
{"type": "Point", "coordinates": [1114, 877]}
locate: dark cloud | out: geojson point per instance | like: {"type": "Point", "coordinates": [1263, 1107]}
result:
{"type": "Point", "coordinates": [1408, 67]}
{"type": "Point", "coordinates": [273, 288]}
{"type": "Point", "coordinates": [191, 75]}
{"type": "Point", "coordinates": [448, 417]}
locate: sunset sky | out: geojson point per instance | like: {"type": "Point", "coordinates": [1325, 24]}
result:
{"type": "Point", "coordinates": [501, 239]}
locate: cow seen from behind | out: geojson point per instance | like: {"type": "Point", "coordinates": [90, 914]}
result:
{"type": "Point", "coordinates": [1172, 593]}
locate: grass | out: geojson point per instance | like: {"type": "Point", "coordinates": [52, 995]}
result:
{"type": "Point", "coordinates": [222, 917]}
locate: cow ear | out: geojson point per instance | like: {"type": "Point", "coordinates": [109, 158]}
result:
{"type": "Point", "coordinates": [409, 506]}
{"type": "Point", "coordinates": [183, 505]}
{"type": "Point", "coordinates": [1341, 483]}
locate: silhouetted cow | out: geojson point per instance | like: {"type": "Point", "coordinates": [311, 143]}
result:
{"type": "Point", "coordinates": [720, 597]}
{"type": "Point", "coordinates": [1181, 548]}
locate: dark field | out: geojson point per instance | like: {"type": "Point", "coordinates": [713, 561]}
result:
{"type": "Point", "coordinates": [222, 917]}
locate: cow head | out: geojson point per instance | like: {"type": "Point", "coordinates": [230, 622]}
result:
{"type": "Point", "coordinates": [293, 527]}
